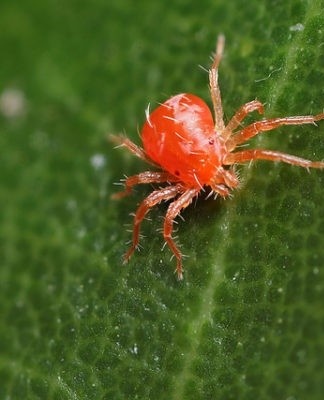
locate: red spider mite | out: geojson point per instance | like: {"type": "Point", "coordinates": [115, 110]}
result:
{"type": "Point", "coordinates": [196, 153]}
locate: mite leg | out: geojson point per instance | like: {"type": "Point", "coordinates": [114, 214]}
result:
{"type": "Point", "coordinates": [142, 178]}
{"type": "Point", "coordinates": [221, 190]}
{"type": "Point", "coordinates": [242, 112]}
{"type": "Point", "coordinates": [267, 125]}
{"type": "Point", "coordinates": [213, 84]}
{"type": "Point", "coordinates": [258, 154]}
{"type": "Point", "coordinates": [174, 209]}
{"type": "Point", "coordinates": [150, 201]}
{"type": "Point", "coordinates": [123, 141]}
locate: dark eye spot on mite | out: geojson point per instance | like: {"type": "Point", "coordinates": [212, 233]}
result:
{"type": "Point", "coordinates": [177, 173]}
{"type": "Point", "coordinates": [211, 141]}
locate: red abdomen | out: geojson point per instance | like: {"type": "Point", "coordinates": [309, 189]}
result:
{"type": "Point", "coordinates": [179, 135]}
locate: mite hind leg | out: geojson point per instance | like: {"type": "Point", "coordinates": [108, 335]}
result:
{"type": "Point", "coordinates": [173, 211]}
{"type": "Point", "coordinates": [123, 141]}
{"type": "Point", "coordinates": [150, 201]}
{"type": "Point", "coordinates": [142, 178]}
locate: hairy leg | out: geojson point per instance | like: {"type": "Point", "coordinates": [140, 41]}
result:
{"type": "Point", "coordinates": [174, 209]}
{"type": "Point", "coordinates": [258, 154]}
{"type": "Point", "coordinates": [267, 125]}
{"type": "Point", "coordinates": [123, 141]}
{"type": "Point", "coordinates": [150, 201]}
{"type": "Point", "coordinates": [238, 117]}
{"type": "Point", "coordinates": [142, 178]}
{"type": "Point", "coordinates": [213, 83]}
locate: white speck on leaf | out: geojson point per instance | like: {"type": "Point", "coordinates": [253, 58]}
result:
{"type": "Point", "coordinates": [12, 103]}
{"type": "Point", "coordinates": [297, 27]}
{"type": "Point", "coordinates": [134, 349]}
{"type": "Point", "coordinates": [98, 161]}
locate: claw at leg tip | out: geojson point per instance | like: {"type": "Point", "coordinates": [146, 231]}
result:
{"type": "Point", "coordinates": [179, 272]}
{"type": "Point", "coordinates": [125, 259]}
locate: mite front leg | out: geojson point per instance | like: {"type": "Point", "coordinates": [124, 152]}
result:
{"type": "Point", "coordinates": [242, 112]}
{"type": "Point", "coordinates": [213, 83]}
{"type": "Point", "coordinates": [258, 154]}
{"type": "Point", "coordinates": [150, 201]}
{"type": "Point", "coordinates": [174, 209]}
{"type": "Point", "coordinates": [142, 178]}
{"type": "Point", "coordinates": [267, 125]}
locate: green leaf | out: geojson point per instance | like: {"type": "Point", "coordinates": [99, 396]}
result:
{"type": "Point", "coordinates": [247, 320]}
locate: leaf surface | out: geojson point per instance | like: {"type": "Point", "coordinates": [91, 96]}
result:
{"type": "Point", "coordinates": [247, 320]}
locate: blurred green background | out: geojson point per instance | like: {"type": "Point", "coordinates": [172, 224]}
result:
{"type": "Point", "coordinates": [247, 321]}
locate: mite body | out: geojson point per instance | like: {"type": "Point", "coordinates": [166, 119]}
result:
{"type": "Point", "coordinates": [195, 152]}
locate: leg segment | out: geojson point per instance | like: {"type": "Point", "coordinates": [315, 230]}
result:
{"type": "Point", "coordinates": [144, 177]}
{"type": "Point", "coordinates": [258, 154]}
{"type": "Point", "coordinates": [242, 112]}
{"type": "Point", "coordinates": [269, 124]}
{"type": "Point", "coordinates": [174, 209]}
{"type": "Point", "coordinates": [213, 83]}
{"type": "Point", "coordinates": [151, 200]}
{"type": "Point", "coordinates": [123, 141]}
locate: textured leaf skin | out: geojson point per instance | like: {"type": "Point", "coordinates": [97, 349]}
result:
{"type": "Point", "coordinates": [247, 321]}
